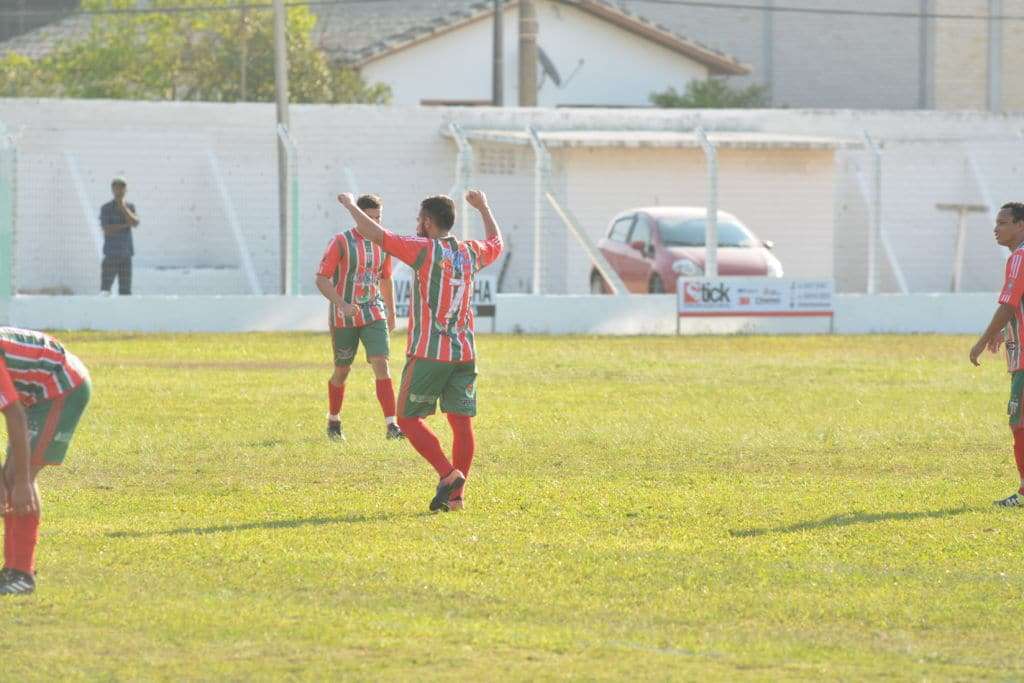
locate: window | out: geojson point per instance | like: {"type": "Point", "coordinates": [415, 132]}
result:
{"type": "Point", "coordinates": [620, 229]}
{"type": "Point", "coordinates": [641, 231]}
{"type": "Point", "coordinates": [690, 233]}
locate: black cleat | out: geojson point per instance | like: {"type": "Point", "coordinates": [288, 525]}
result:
{"type": "Point", "coordinates": [1014, 501]}
{"type": "Point", "coordinates": [16, 583]}
{"type": "Point", "coordinates": [334, 432]}
{"type": "Point", "coordinates": [394, 432]}
{"type": "Point", "coordinates": [452, 482]}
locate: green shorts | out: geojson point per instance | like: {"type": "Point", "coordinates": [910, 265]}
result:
{"type": "Point", "coordinates": [345, 342]}
{"type": "Point", "coordinates": [51, 424]}
{"type": "Point", "coordinates": [1014, 407]}
{"type": "Point", "coordinates": [426, 381]}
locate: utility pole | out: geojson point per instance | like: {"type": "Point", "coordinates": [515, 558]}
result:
{"type": "Point", "coordinates": [527, 54]}
{"type": "Point", "coordinates": [498, 75]}
{"type": "Point", "coordinates": [244, 54]}
{"type": "Point", "coordinates": [281, 82]}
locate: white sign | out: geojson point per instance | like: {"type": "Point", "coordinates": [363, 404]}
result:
{"type": "Point", "coordinates": [484, 289]}
{"type": "Point", "coordinates": [754, 296]}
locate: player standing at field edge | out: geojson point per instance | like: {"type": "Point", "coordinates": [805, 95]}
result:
{"type": "Point", "coordinates": [355, 276]}
{"type": "Point", "coordinates": [1006, 327]}
{"type": "Point", "coordinates": [440, 353]}
{"type": "Point", "coordinates": [43, 392]}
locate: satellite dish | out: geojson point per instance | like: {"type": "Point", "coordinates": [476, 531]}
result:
{"type": "Point", "coordinates": [548, 67]}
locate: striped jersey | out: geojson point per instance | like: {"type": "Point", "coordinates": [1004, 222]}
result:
{"type": "Point", "coordinates": [441, 303]}
{"type": "Point", "coordinates": [356, 266]}
{"type": "Point", "coordinates": [34, 367]}
{"type": "Point", "coordinates": [1012, 294]}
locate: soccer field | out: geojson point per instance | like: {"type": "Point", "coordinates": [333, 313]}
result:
{"type": "Point", "coordinates": [653, 508]}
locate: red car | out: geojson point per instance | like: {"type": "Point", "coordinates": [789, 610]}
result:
{"type": "Point", "coordinates": [651, 247]}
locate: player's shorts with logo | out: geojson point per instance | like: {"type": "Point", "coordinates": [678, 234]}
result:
{"type": "Point", "coordinates": [51, 424]}
{"type": "Point", "coordinates": [424, 382]}
{"type": "Point", "coordinates": [345, 342]}
{"type": "Point", "coordinates": [1014, 408]}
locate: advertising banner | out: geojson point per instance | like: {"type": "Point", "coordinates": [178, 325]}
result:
{"type": "Point", "coordinates": [754, 297]}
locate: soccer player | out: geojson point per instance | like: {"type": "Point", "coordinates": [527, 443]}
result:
{"type": "Point", "coordinates": [440, 354]}
{"type": "Point", "coordinates": [43, 392]}
{"type": "Point", "coordinates": [355, 276]}
{"type": "Point", "coordinates": [1006, 327]}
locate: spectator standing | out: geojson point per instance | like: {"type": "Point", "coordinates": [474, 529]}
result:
{"type": "Point", "coordinates": [118, 218]}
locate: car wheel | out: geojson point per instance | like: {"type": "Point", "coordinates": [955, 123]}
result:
{"type": "Point", "coordinates": [656, 286]}
{"type": "Point", "coordinates": [597, 283]}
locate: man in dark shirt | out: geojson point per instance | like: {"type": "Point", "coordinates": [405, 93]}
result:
{"type": "Point", "coordinates": [118, 218]}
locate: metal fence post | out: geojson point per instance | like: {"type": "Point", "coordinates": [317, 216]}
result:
{"type": "Point", "coordinates": [711, 231]}
{"type": "Point", "coordinates": [291, 258]}
{"type": "Point", "coordinates": [541, 171]}
{"type": "Point", "coordinates": [875, 230]}
{"type": "Point", "coordinates": [8, 194]}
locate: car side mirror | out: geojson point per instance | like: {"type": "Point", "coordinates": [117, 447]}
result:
{"type": "Point", "coordinates": [768, 244]}
{"type": "Point", "coordinates": [640, 246]}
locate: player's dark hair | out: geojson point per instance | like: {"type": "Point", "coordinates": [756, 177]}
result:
{"type": "Point", "coordinates": [1017, 208]}
{"type": "Point", "coordinates": [369, 201]}
{"type": "Point", "coordinates": [441, 210]}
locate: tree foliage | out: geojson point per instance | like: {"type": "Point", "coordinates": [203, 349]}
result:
{"type": "Point", "coordinates": [197, 55]}
{"type": "Point", "coordinates": [714, 93]}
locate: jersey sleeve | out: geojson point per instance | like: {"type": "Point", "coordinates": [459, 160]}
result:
{"type": "Point", "coordinates": [8, 394]}
{"type": "Point", "coordinates": [331, 259]}
{"type": "Point", "coordinates": [1013, 287]}
{"type": "Point", "coordinates": [486, 251]}
{"type": "Point", "coordinates": [406, 249]}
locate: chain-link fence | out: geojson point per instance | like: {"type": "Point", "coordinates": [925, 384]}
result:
{"type": "Point", "coordinates": [807, 194]}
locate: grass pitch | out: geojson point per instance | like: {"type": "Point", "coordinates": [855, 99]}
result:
{"type": "Point", "coordinates": [714, 508]}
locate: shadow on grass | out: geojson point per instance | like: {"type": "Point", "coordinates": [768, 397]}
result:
{"type": "Point", "coordinates": [852, 519]}
{"type": "Point", "coordinates": [270, 524]}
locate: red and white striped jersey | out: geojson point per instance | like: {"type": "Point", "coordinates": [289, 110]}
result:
{"type": "Point", "coordinates": [35, 367]}
{"type": "Point", "coordinates": [356, 266]}
{"type": "Point", "coordinates": [441, 325]}
{"type": "Point", "coordinates": [1012, 295]}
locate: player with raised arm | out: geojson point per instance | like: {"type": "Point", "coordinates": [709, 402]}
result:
{"type": "Point", "coordinates": [440, 353]}
{"type": "Point", "coordinates": [355, 276]}
{"type": "Point", "coordinates": [1006, 327]}
{"type": "Point", "coordinates": [44, 390]}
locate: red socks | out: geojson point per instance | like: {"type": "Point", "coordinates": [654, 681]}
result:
{"type": "Point", "coordinates": [1018, 453]}
{"type": "Point", "coordinates": [386, 396]}
{"type": "Point", "coordinates": [426, 444]}
{"type": "Point", "coordinates": [463, 445]}
{"type": "Point", "coordinates": [21, 535]}
{"type": "Point", "coordinates": [335, 395]}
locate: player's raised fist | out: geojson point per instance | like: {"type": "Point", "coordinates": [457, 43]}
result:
{"type": "Point", "coordinates": [347, 200]}
{"type": "Point", "coordinates": [476, 198]}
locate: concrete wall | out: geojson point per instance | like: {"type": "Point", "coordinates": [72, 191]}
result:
{"type": "Point", "coordinates": [516, 314]}
{"type": "Point", "coordinates": [600, 63]}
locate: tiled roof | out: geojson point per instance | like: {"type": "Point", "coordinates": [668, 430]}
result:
{"type": "Point", "coordinates": [361, 30]}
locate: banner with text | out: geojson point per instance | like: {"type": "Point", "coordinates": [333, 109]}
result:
{"type": "Point", "coordinates": [754, 296]}
{"type": "Point", "coordinates": [484, 289]}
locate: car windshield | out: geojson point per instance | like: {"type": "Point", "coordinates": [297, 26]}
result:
{"type": "Point", "coordinates": [690, 233]}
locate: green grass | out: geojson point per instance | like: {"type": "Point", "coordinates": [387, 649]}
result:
{"type": "Point", "coordinates": [654, 508]}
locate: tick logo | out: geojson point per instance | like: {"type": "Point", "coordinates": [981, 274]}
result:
{"type": "Point", "coordinates": [703, 293]}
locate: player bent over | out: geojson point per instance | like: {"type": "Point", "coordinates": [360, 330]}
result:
{"type": "Point", "coordinates": [440, 353]}
{"type": "Point", "coordinates": [43, 392]}
{"type": "Point", "coordinates": [1006, 327]}
{"type": "Point", "coordinates": [355, 276]}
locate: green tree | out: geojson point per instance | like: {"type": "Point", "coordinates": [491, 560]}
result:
{"type": "Point", "coordinates": [714, 93]}
{"type": "Point", "coordinates": [218, 56]}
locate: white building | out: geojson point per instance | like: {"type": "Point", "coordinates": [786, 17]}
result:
{"type": "Point", "coordinates": [593, 54]}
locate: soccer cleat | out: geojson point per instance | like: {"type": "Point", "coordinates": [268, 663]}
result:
{"type": "Point", "coordinates": [455, 504]}
{"type": "Point", "coordinates": [394, 432]}
{"type": "Point", "coordinates": [453, 481]}
{"type": "Point", "coordinates": [16, 583]}
{"type": "Point", "coordinates": [1014, 501]}
{"type": "Point", "coordinates": [334, 432]}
